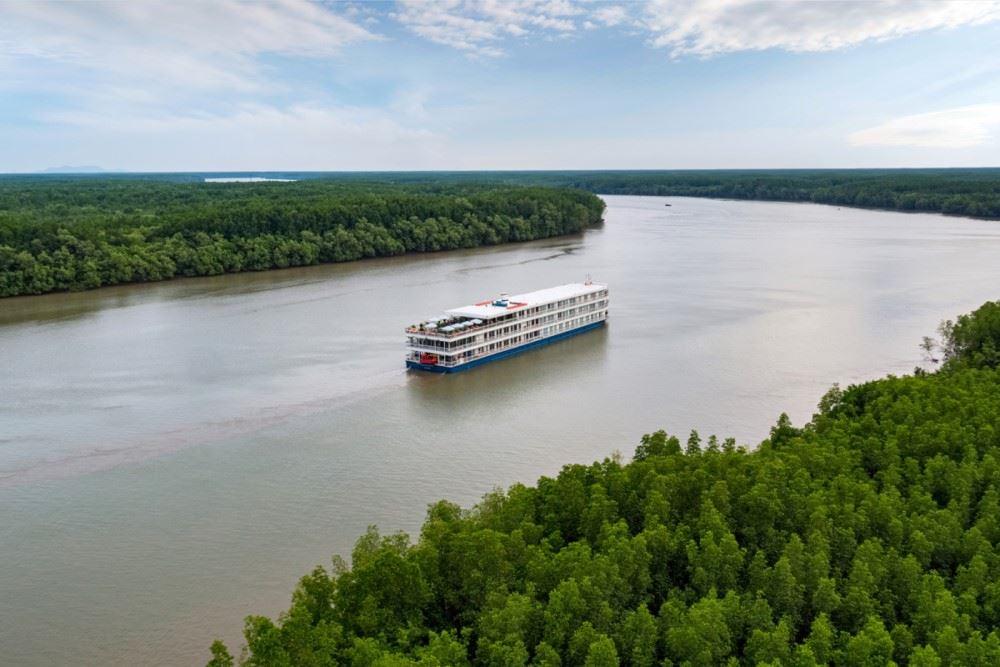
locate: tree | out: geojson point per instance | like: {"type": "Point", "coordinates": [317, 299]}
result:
{"type": "Point", "coordinates": [929, 346]}
{"type": "Point", "coordinates": [637, 638]}
{"type": "Point", "coordinates": [693, 444]}
{"type": "Point", "coordinates": [657, 444]}
{"type": "Point", "coordinates": [220, 655]}
{"type": "Point", "coordinates": [821, 639]}
{"type": "Point", "coordinates": [444, 649]}
{"type": "Point", "coordinates": [602, 653]}
{"type": "Point", "coordinates": [973, 339]}
{"type": "Point", "coordinates": [546, 656]}
{"type": "Point", "coordinates": [702, 637]}
{"type": "Point", "coordinates": [872, 647]}
{"type": "Point", "coordinates": [925, 656]}
{"type": "Point", "coordinates": [770, 646]}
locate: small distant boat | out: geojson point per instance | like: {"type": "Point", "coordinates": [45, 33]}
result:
{"type": "Point", "coordinates": [666, 204]}
{"type": "Point", "coordinates": [497, 328]}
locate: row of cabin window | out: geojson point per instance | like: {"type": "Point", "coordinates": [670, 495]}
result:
{"type": "Point", "coordinates": [517, 340]}
{"type": "Point", "coordinates": [495, 333]}
{"type": "Point", "coordinates": [513, 342]}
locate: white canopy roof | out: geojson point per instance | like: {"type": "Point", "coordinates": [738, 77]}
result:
{"type": "Point", "coordinates": [487, 310]}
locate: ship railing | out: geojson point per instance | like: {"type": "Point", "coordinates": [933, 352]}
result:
{"type": "Point", "coordinates": [417, 329]}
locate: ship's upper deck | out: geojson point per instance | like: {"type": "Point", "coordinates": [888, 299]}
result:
{"type": "Point", "coordinates": [487, 310]}
{"type": "Point", "coordinates": [476, 316]}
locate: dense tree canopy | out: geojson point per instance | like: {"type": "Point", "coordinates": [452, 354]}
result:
{"type": "Point", "coordinates": [866, 537]}
{"type": "Point", "coordinates": [968, 192]}
{"type": "Point", "coordinates": [974, 339]}
{"type": "Point", "coordinates": [72, 234]}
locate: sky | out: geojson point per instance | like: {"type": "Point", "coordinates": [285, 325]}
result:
{"type": "Point", "coordinates": [223, 85]}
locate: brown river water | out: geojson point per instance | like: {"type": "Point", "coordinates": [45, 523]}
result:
{"type": "Point", "coordinates": [174, 456]}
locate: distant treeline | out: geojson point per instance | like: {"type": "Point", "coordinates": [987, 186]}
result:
{"type": "Point", "coordinates": [966, 192]}
{"type": "Point", "coordinates": [80, 233]}
{"type": "Point", "coordinates": [869, 536]}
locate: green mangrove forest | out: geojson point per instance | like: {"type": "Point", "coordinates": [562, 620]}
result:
{"type": "Point", "coordinates": [971, 192]}
{"type": "Point", "coordinates": [966, 192]}
{"type": "Point", "coordinates": [867, 536]}
{"type": "Point", "coordinates": [79, 232]}
{"type": "Point", "coordinates": [60, 234]}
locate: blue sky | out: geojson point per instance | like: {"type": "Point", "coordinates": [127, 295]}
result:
{"type": "Point", "coordinates": [518, 84]}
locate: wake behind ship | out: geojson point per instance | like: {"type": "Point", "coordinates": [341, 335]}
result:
{"type": "Point", "coordinates": [494, 329]}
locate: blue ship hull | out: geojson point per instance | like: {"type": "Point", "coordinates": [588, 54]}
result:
{"type": "Point", "coordinates": [433, 368]}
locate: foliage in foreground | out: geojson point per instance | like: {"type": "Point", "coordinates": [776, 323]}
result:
{"type": "Point", "coordinates": [79, 234]}
{"type": "Point", "coordinates": [867, 537]}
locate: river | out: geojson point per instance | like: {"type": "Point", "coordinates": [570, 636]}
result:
{"type": "Point", "coordinates": [174, 456]}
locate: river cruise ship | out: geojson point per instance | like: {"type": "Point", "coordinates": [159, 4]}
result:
{"type": "Point", "coordinates": [497, 328]}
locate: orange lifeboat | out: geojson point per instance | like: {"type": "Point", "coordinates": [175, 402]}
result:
{"type": "Point", "coordinates": [428, 358]}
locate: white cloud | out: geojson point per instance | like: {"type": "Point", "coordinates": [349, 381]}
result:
{"type": "Point", "coordinates": [612, 15]}
{"type": "Point", "coordinates": [691, 27]}
{"type": "Point", "coordinates": [963, 127]}
{"type": "Point", "coordinates": [710, 27]}
{"type": "Point", "coordinates": [479, 27]}
{"type": "Point", "coordinates": [208, 45]}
